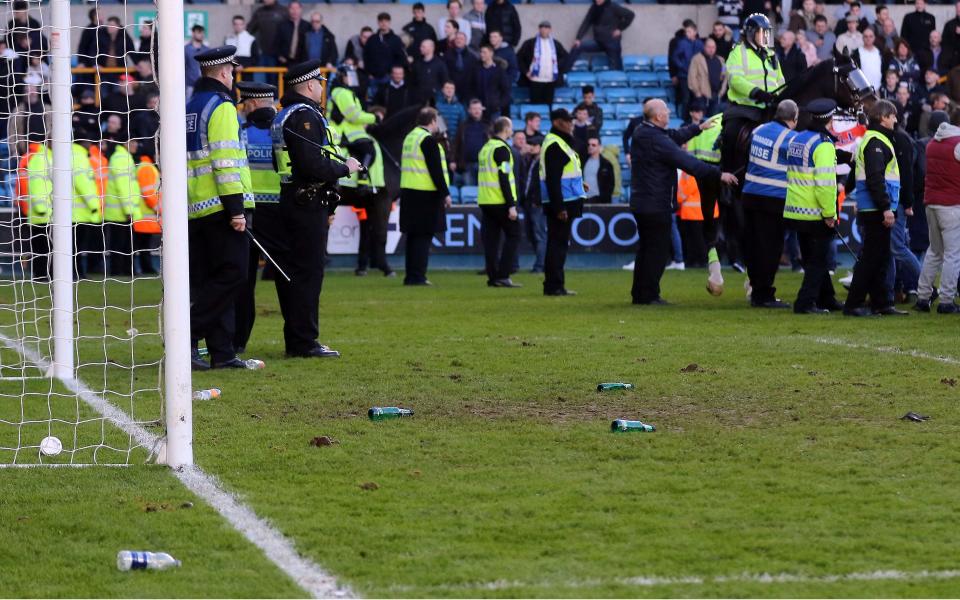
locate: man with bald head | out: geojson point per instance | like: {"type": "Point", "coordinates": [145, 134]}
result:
{"type": "Point", "coordinates": [655, 154]}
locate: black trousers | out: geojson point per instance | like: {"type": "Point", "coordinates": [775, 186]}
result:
{"type": "Point", "coordinates": [541, 93]}
{"type": "Point", "coordinates": [870, 272]}
{"type": "Point", "coordinates": [35, 242]}
{"type": "Point", "coordinates": [218, 272]}
{"type": "Point", "coordinates": [372, 250]}
{"type": "Point", "coordinates": [305, 230]}
{"type": "Point", "coordinates": [496, 226]}
{"type": "Point", "coordinates": [816, 290]}
{"type": "Point", "coordinates": [88, 244]}
{"type": "Point", "coordinates": [762, 245]}
{"type": "Point", "coordinates": [144, 244]}
{"type": "Point", "coordinates": [653, 253]}
{"type": "Point", "coordinates": [417, 257]}
{"type": "Point", "coordinates": [118, 244]}
{"type": "Point", "coordinates": [558, 241]}
{"type": "Point", "coordinates": [694, 244]}
{"type": "Point", "coordinates": [266, 227]}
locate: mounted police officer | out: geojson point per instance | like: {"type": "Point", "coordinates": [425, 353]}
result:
{"type": "Point", "coordinates": [764, 195]}
{"type": "Point", "coordinates": [219, 192]}
{"type": "Point", "coordinates": [257, 109]}
{"type": "Point", "coordinates": [308, 177]}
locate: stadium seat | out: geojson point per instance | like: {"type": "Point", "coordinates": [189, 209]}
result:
{"type": "Point", "coordinates": [675, 123]}
{"type": "Point", "coordinates": [611, 140]}
{"type": "Point", "coordinates": [612, 79]}
{"type": "Point", "coordinates": [542, 109]}
{"type": "Point", "coordinates": [518, 124]}
{"type": "Point", "coordinates": [454, 194]}
{"type": "Point", "coordinates": [664, 78]}
{"type": "Point", "coordinates": [600, 63]}
{"type": "Point", "coordinates": [622, 95]}
{"type": "Point", "coordinates": [654, 93]}
{"type": "Point", "coordinates": [580, 65]}
{"type": "Point", "coordinates": [520, 94]}
{"type": "Point", "coordinates": [468, 194]}
{"type": "Point", "coordinates": [565, 95]}
{"type": "Point", "coordinates": [580, 79]}
{"type": "Point", "coordinates": [629, 111]}
{"type": "Point", "coordinates": [612, 126]}
{"type": "Point", "coordinates": [515, 111]}
{"type": "Point", "coordinates": [636, 62]}
{"type": "Point", "coordinates": [599, 95]}
{"type": "Point", "coordinates": [640, 79]}
{"type": "Point", "coordinates": [660, 63]}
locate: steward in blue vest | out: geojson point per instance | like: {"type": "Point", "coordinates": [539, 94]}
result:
{"type": "Point", "coordinates": [877, 194]}
{"type": "Point", "coordinates": [764, 194]}
{"type": "Point", "coordinates": [257, 108]}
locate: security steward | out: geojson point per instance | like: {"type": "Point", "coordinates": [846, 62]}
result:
{"type": "Point", "coordinates": [877, 194]}
{"type": "Point", "coordinates": [424, 194]}
{"type": "Point", "coordinates": [754, 76]}
{"type": "Point", "coordinates": [763, 199]}
{"type": "Point", "coordinates": [706, 147]}
{"type": "Point", "coordinates": [308, 177]}
{"type": "Point", "coordinates": [811, 205]}
{"type": "Point", "coordinates": [218, 191]}
{"type": "Point", "coordinates": [497, 197]}
{"type": "Point", "coordinates": [257, 108]}
{"type": "Point", "coordinates": [562, 193]}
{"type": "Point", "coordinates": [87, 216]}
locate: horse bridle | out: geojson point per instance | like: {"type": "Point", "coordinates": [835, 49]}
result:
{"type": "Point", "coordinates": [857, 84]}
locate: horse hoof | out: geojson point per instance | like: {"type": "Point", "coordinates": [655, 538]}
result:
{"type": "Point", "coordinates": [714, 289]}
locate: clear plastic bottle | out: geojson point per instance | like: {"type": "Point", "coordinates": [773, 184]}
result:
{"type": "Point", "coordinates": [254, 364]}
{"type": "Point", "coordinates": [211, 394]}
{"type": "Point", "coordinates": [132, 560]}
{"type": "Point", "coordinates": [379, 413]}
{"type": "Point", "coordinates": [627, 425]}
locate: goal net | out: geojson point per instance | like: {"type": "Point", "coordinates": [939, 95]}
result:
{"type": "Point", "coordinates": [85, 314]}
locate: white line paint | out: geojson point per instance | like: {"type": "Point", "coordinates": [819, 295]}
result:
{"type": "Point", "coordinates": [888, 350]}
{"type": "Point", "coordinates": [654, 581]}
{"type": "Point", "coordinates": [278, 549]}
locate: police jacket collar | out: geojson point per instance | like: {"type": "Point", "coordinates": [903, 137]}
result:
{"type": "Point", "coordinates": [209, 84]}
{"type": "Point", "coordinates": [291, 98]}
{"type": "Point", "coordinates": [888, 133]}
{"type": "Point", "coordinates": [262, 117]}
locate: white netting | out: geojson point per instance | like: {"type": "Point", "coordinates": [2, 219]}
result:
{"type": "Point", "coordinates": [117, 291]}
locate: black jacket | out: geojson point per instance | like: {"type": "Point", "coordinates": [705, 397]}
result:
{"type": "Point", "coordinates": [493, 88]}
{"type": "Point", "coordinates": [525, 57]}
{"type": "Point", "coordinates": [328, 49]}
{"type": "Point", "coordinates": [427, 78]}
{"type": "Point", "coordinates": [905, 152]}
{"type": "Point", "coordinates": [462, 78]}
{"type": "Point", "coordinates": [503, 17]}
{"type": "Point", "coordinates": [308, 164]}
{"type": "Point", "coordinates": [916, 29]}
{"type": "Point", "coordinates": [121, 45]}
{"type": "Point", "coordinates": [395, 99]}
{"type": "Point", "coordinates": [87, 48]}
{"type": "Point", "coordinates": [419, 31]}
{"type": "Point", "coordinates": [606, 181]}
{"type": "Point", "coordinates": [655, 155]}
{"type": "Point", "coordinates": [383, 52]}
{"type": "Point", "coordinates": [792, 63]}
{"type": "Point", "coordinates": [876, 155]}
{"type": "Point", "coordinates": [605, 19]}
{"type": "Point", "coordinates": [284, 38]}
{"type": "Point", "coordinates": [502, 155]}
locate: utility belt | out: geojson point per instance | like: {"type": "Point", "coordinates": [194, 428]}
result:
{"type": "Point", "coordinates": [323, 195]}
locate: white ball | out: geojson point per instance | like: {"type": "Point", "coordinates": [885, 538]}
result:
{"type": "Point", "coordinates": [51, 446]}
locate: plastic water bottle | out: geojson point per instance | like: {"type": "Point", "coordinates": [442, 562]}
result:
{"type": "Point", "coordinates": [379, 413]}
{"type": "Point", "coordinates": [211, 394]}
{"type": "Point", "coordinates": [254, 364]}
{"type": "Point", "coordinates": [627, 425]}
{"type": "Point", "coordinates": [604, 387]}
{"type": "Point", "coordinates": [131, 560]}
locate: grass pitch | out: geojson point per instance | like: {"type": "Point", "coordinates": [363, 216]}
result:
{"type": "Point", "coordinates": [775, 453]}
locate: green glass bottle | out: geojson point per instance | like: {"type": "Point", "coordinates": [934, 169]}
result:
{"type": "Point", "coordinates": [604, 387]}
{"type": "Point", "coordinates": [380, 413]}
{"type": "Point", "coordinates": [625, 425]}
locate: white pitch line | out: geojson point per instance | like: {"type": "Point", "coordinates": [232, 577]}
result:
{"type": "Point", "coordinates": [888, 350]}
{"type": "Point", "coordinates": [653, 581]}
{"type": "Point", "coordinates": [277, 548]}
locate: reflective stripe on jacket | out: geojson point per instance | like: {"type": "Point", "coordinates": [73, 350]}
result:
{"type": "Point", "coordinates": [413, 166]}
{"type": "Point", "coordinates": [705, 146]}
{"type": "Point", "coordinates": [488, 178]}
{"type": "Point", "coordinates": [749, 71]}
{"type": "Point", "coordinates": [865, 201]}
{"type": "Point", "coordinates": [688, 199]}
{"type": "Point", "coordinates": [767, 166]}
{"type": "Point", "coordinates": [122, 200]}
{"type": "Point", "coordinates": [811, 178]}
{"type": "Point", "coordinates": [40, 186]}
{"type": "Point", "coordinates": [571, 181]}
{"type": "Point", "coordinates": [86, 200]}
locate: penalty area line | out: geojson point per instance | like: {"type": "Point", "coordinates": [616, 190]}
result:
{"type": "Point", "coordinates": [888, 350]}
{"type": "Point", "coordinates": [312, 578]}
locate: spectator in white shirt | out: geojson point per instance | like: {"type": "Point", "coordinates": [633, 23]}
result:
{"type": "Point", "coordinates": [453, 14]}
{"type": "Point", "coordinates": [852, 39]}
{"type": "Point", "coordinates": [870, 59]}
{"type": "Point", "coordinates": [244, 42]}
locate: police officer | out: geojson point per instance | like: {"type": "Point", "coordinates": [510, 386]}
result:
{"type": "Point", "coordinates": [763, 199]}
{"type": "Point", "coordinates": [257, 109]}
{"type": "Point", "coordinates": [87, 215]}
{"type": "Point", "coordinates": [308, 176]}
{"type": "Point", "coordinates": [424, 194]}
{"type": "Point", "coordinates": [811, 205]}
{"type": "Point", "coordinates": [562, 194]}
{"type": "Point", "coordinates": [754, 75]}
{"type": "Point", "coordinates": [218, 192]}
{"type": "Point", "coordinates": [877, 194]}
{"type": "Point", "coordinates": [497, 198]}
{"type": "Point", "coordinates": [347, 112]}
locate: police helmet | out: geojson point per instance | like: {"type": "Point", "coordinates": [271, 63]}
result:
{"type": "Point", "coordinates": [754, 23]}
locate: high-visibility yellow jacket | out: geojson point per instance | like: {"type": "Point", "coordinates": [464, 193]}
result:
{"type": "Point", "coordinates": [811, 178]}
{"type": "Point", "coordinates": [122, 200]}
{"type": "Point", "coordinates": [40, 186]}
{"type": "Point", "coordinates": [488, 179]}
{"type": "Point", "coordinates": [413, 165]}
{"type": "Point", "coordinates": [86, 200]}
{"type": "Point", "coordinates": [748, 71]}
{"type": "Point", "coordinates": [348, 105]}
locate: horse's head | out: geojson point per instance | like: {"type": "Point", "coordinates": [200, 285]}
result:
{"type": "Point", "coordinates": [851, 88]}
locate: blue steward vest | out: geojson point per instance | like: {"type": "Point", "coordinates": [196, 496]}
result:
{"type": "Point", "coordinates": [259, 144]}
{"type": "Point", "coordinates": [767, 166]}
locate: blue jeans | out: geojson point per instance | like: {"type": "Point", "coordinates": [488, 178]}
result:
{"type": "Point", "coordinates": [903, 264]}
{"type": "Point", "coordinates": [535, 225]}
{"type": "Point", "coordinates": [675, 241]}
{"type": "Point", "coordinates": [266, 61]}
{"type": "Point", "coordinates": [611, 49]}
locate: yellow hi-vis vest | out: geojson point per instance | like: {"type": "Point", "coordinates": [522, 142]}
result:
{"type": "Point", "coordinates": [40, 186]}
{"type": "Point", "coordinates": [748, 71]}
{"type": "Point", "coordinates": [571, 180]}
{"type": "Point", "coordinates": [704, 145]}
{"type": "Point", "coordinates": [488, 180]}
{"type": "Point", "coordinates": [891, 175]}
{"type": "Point", "coordinates": [811, 178]}
{"type": "Point", "coordinates": [354, 117]}
{"type": "Point", "coordinates": [86, 200]}
{"type": "Point", "coordinates": [413, 166]}
{"type": "Point", "coordinates": [122, 200]}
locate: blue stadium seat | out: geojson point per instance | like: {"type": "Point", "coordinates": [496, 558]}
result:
{"type": "Point", "coordinates": [611, 140]}
{"type": "Point", "coordinates": [610, 79]}
{"type": "Point", "coordinates": [613, 126]}
{"type": "Point", "coordinates": [664, 78]}
{"type": "Point", "coordinates": [515, 111]}
{"type": "Point", "coordinates": [609, 110]}
{"type": "Point", "coordinates": [580, 65]}
{"type": "Point", "coordinates": [629, 111]}
{"type": "Point", "coordinates": [580, 79]}
{"type": "Point", "coordinates": [599, 95]}
{"type": "Point", "coordinates": [675, 123]}
{"type": "Point", "coordinates": [542, 109]}
{"type": "Point", "coordinates": [520, 94]}
{"type": "Point", "coordinates": [468, 194]}
{"type": "Point", "coordinates": [622, 95]}
{"type": "Point", "coordinates": [641, 79]}
{"type": "Point", "coordinates": [565, 94]}
{"type": "Point", "coordinates": [636, 62]}
{"type": "Point", "coordinates": [454, 194]}
{"type": "Point", "coordinates": [660, 63]}
{"type": "Point", "coordinates": [600, 63]}
{"type": "Point", "coordinates": [518, 124]}
{"type": "Point", "coordinates": [654, 93]}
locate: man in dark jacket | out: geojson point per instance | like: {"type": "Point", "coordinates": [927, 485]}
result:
{"type": "Point", "coordinates": [383, 51]}
{"type": "Point", "coordinates": [320, 42]}
{"type": "Point", "coordinates": [542, 61]}
{"type": "Point", "coordinates": [502, 16]}
{"type": "Point", "coordinates": [917, 27]}
{"type": "Point", "coordinates": [291, 41]}
{"type": "Point", "coordinates": [470, 138]}
{"type": "Point", "coordinates": [263, 25]}
{"type": "Point", "coordinates": [656, 156]}
{"type": "Point", "coordinates": [493, 88]}
{"type": "Point", "coordinates": [792, 60]}
{"type": "Point", "coordinates": [598, 174]}
{"type": "Point", "coordinates": [461, 65]}
{"type": "Point", "coordinates": [87, 49]}
{"type": "Point", "coordinates": [607, 20]}
{"type": "Point", "coordinates": [395, 95]}
{"type": "Point", "coordinates": [419, 30]}
{"type": "Point", "coordinates": [562, 195]}
{"type": "Point", "coordinates": [504, 51]}
{"type": "Point", "coordinates": [428, 73]}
